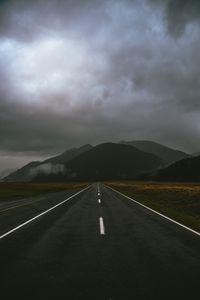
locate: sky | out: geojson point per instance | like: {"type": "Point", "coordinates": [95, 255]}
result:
{"type": "Point", "coordinates": [90, 71]}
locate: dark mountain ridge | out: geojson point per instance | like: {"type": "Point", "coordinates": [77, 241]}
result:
{"type": "Point", "coordinates": [168, 155]}
{"type": "Point", "coordinates": [26, 173]}
{"type": "Point", "coordinates": [22, 174]}
{"type": "Point", "coordinates": [68, 155]}
{"type": "Point", "coordinates": [184, 170]}
{"type": "Point", "coordinates": [196, 154]}
{"type": "Point", "coordinates": [107, 161]}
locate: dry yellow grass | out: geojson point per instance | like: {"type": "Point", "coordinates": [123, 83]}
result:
{"type": "Point", "coordinates": [17, 190]}
{"type": "Point", "coordinates": [180, 201]}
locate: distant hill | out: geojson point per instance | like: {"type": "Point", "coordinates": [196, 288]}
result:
{"type": "Point", "coordinates": [184, 170]}
{"type": "Point", "coordinates": [68, 155]}
{"type": "Point", "coordinates": [125, 160]}
{"type": "Point", "coordinates": [22, 174]}
{"type": "Point", "coordinates": [107, 161]}
{"type": "Point", "coordinates": [196, 154]}
{"type": "Point", "coordinates": [167, 154]}
{"type": "Point", "coordinates": [6, 172]}
{"type": "Point", "coordinates": [50, 165]}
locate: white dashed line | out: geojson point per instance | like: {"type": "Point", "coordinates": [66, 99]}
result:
{"type": "Point", "coordinates": [99, 200]}
{"type": "Point", "coordinates": [101, 224]}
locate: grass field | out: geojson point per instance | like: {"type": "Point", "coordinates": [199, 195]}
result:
{"type": "Point", "coordinates": [180, 201]}
{"type": "Point", "coordinates": [14, 191]}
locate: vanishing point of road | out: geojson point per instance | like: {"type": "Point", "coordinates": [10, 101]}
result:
{"type": "Point", "coordinates": [95, 244]}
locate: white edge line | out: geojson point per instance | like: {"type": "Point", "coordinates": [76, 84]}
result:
{"type": "Point", "coordinates": [156, 212]}
{"type": "Point", "coordinates": [101, 224]}
{"type": "Point", "coordinates": [41, 214]}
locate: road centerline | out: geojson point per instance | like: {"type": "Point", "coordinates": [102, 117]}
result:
{"type": "Point", "coordinates": [102, 227]}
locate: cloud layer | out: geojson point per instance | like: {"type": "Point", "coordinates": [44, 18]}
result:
{"type": "Point", "coordinates": [75, 72]}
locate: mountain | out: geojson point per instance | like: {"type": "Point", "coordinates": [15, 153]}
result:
{"type": "Point", "coordinates": [50, 165]}
{"type": "Point", "coordinates": [125, 160]}
{"type": "Point", "coordinates": [184, 170]}
{"type": "Point", "coordinates": [6, 172]}
{"type": "Point", "coordinates": [196, 154]}
{"type": "Point", "coordinates": [107, 161]}
{"type": "Point", "coordinates": [22, 174]}
{"type": "Point", "coordinates": [68, 155]}
{"type": "Point", "coordinates": [167, 154]}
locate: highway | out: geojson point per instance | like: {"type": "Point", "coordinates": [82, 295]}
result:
{"type": "Point", "coordinates": [95, 244]}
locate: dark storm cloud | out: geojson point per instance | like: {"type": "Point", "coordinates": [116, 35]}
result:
{"type": "Point", "coordinates": [75, 72]}
{"type": "Point", "coordinates": [181, 12]}
{"type": "Point", "coordinates": [26, 20]}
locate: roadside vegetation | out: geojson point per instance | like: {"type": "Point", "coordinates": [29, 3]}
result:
{"type": "Point", "coordinates": [180, 201]}
{"type": "Point", "coordinates": [16, 190]}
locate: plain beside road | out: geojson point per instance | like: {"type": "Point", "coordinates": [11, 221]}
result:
{"type": "Point", "coordinates": [179, 201]}
{"type": "Point", "coordinates": [64, 255]}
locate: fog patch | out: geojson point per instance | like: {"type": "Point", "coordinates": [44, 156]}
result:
{"type": "Point", "coordinates": [47, 169]}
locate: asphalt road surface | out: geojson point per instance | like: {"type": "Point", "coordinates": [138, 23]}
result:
{"type": "Point", "coordinates": [97, 245]}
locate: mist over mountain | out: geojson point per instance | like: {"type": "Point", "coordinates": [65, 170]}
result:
{"type": "Point", "coordinates": [52, 165]}
{"type": "Point", "coordinates": [107, 161]}
{"type": "Point", "coordinates": [124, 160]}
{"type": "Point", "coordinates": [168, 155]}
{"type": "Point", "coordinates": [22, 174]}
